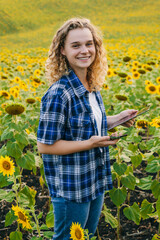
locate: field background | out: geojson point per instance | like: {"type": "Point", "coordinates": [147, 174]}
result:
{"type": "Point", "coordinates": [30, 24]}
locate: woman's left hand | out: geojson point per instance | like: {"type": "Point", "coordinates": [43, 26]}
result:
{"type": "Point", "coordinates": [126, 113]}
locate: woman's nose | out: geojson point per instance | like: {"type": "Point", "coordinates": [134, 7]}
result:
{"type": "Point", "coordinates": [84, 49]}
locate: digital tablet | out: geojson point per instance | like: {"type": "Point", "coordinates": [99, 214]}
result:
{"type": "Point", "coordinates": [125, 119]}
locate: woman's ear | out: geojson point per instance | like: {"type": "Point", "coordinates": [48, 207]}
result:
{"type": "Point", "coordinates": [62, 51]}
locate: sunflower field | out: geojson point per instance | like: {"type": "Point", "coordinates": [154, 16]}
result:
{"type": "Point", "coordinates": [131, 37]}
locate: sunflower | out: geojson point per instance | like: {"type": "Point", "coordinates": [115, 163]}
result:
{"type": "Point", "coordinates": [141, 123]}
{"type": "Point", "coordinates": [158, 80]}
{"type": "Point", "coordinates": [126, 59]}
{"type": "Point", "coordinates": [110, 73]}
{"type": "Point", "coordinates": [136, 75]}
{"type": "Point", "coordinates": [135, 63]}
{"type": "Point", "coordinates": [22, 217]}
{"type": "Point", "coordinates": [122, 74]}
{"type": "Point", "coordinates": [147, 82]}
{"type": "Point", "coordinates": [17, 80]}
{"type": "Point", "coordinates": [158, 89]}
{"type": "Point", "coordinates": [155, 122]}
{"type": "Point", "coordinates": [105, 86]}
{"type": "Point", "coordinates": [14, 108]}
{"type": "Point", "coordinates": [31, 100]}
{"type": "Point", "coordinates": [121, 97]}
{"type": "Point", "coordinates": [76, 231]}
{"type": "Point", "coordinates": [129, 79]}
{"type": "Point", "coordinates": [6, 166]}
{"type": "Point", "coordinates": [151, 88]}
{"type": "Point", "coordinates": [37, 72]}
{"type": "Point", "coordinates": [5, 94]}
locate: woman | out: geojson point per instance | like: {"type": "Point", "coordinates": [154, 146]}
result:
{"type": "Point", "coordinates": [72, 133]}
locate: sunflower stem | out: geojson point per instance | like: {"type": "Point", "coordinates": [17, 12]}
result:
{"type": "Point", "coordinates": [37, 223]}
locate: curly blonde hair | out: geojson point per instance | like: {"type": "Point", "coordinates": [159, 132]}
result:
{"type": "Point", "coordinates": [57, 65]}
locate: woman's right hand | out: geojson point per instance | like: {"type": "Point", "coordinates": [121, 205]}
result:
{"type": "Point", "coordinates": [98, 141]}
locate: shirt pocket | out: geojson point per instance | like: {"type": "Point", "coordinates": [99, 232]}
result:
{"type": "Point", "coordinates": [81, 127]}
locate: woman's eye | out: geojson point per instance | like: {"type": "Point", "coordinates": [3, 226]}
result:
{"type": "Point", "coordinates": [75, 46]}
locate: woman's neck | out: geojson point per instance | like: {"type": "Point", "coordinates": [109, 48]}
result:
{"type": "Point", "coordinates": [82, 75]}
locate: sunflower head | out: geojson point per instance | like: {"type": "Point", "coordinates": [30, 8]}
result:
{"type": "Point", "coordinates": [126, 59]}
{"type": "Point", "coordinates": [122, 75]}
{"type": "Point", "coordinates": [6, 166]}
{"type": "Point", "coordinates": [5, 94]}
{"type": "Point", "coordinates": [121, 97]}
{"type": "Point", "coordinates": [30, 100]}
{"type": "Point", "coordinates": [76, 232]}
{"type": "Point", "coordinates": [22, 217]}
{"type": "Point", "coordinates": [14, 108]}
{"type": "Point", "coordinates": [105, 86]}
{"type": "Point", "coordinates": [151, 88]}
{"type": "Point", "coordinates": [142, 71]}
{"type": "Point", "coordinates": [158, 80]}
{"type": "Point", "coordinates": [141, 123]}
{"type": "Point", "coordinates": [136, 75]}
{"type": "Point", "coordinates": [155, 122]}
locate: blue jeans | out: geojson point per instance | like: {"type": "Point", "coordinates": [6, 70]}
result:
{"type": "Point", "coordinates": [66, 212]}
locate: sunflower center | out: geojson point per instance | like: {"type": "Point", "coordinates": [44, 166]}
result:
{"type": "Point", "coordinates": [78, 234]}
{"type": "Point", "coordinates": [6, 165]}
{"type": "Point", "coordinates": [22, 216]}
{"type": "Point", "coordinates": [152, 88]}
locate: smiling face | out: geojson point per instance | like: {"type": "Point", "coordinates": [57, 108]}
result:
{"type": "Point", "coordinates": [79, 49]}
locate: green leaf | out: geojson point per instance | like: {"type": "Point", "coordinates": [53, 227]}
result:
{"type": "Point", "coordinates": [133, 213]}
{"type": "Point", "coordinates": [132, 147]}
{"type": "Point", "coordinates": [50, 219]}
{"type": "Point", "coordinates": [23, 199]}
{"type": "Point", "coordinates": [22, 139]}
{"type": "Point", "coordinates": [15, 236]}
{"type": "Point", "coordinates": [158, 207]}
{"type": "Point", "coordinates": [153, 166]}
{"type": "Point", "coordinates": [30, 194]}
{"type": "Point", "coordinates": [118, 196]}
{"type": "Point", "coordinates": [136, 160]}
{"type": "Point", "coordinates": [36, 238]}
{"type": "Point", "coordinates": [120, 168]}
{"type": "Point", "coordinates": [145, 183]}
{"type": "Point", "coordinates": [4, 182]}
{"type": "Point", "coordinates": [40, 215]}
{"type": "Point", "coordinates": [129, 181]}
{"type": "Point", "coordinates": [27, 161]}
{"type": "Point", "coordinates": [7, 134]}
{"type": "Point", "coordinates": [146, 208]}
{"type": "Point", "coordinates": [13, 149]}
{"type": "Point", "coordinates": [155, 187]}
{"type": "Point", "coordinates": [48, 234]}
{"type": "Point", "coordinates": [10, 218]}
{"type": "Point", "coordinates": [109, 218]}
{"type": "Point", "coordinates": [8, 196]}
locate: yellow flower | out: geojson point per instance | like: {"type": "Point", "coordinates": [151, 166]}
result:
{"type": "Point", "coordinates": [37, 72]}
{"type": "Point", "coordinates": [6, 166]}
{"type": "Point", "coordinates": [155, 122]}
{"type": "Point", "coordinates": [5, 94]}
{"type": "Point", "coordinates": [158, 80]}
{"type": "Point", "coordinates": [105, 86]}
{"type": "Point", "coordinates": [129, 79]}
{"type": "Point", "coordinates": [135, 63]}
{"type": "Point", "coordinates": [151, 88]}
{"type": "Point", "coordinates": [22, 217]}
{"type": "Point", "coordinates": [147, 82]}
{"type": "Point", "coordinates": [136, 75]}
{"type": "Point", "coordinates": [27, 131]}
{"type": "Point", "coordinates": [141, 123]}
{"type": "Point", "coordinates": [110, 73]}
{"type": "Point", "coordinates": [17, 79]}
{"type": "Point", "coordinates": [76, 231]}
{"type": "Point", "coordinates": [158, 89]}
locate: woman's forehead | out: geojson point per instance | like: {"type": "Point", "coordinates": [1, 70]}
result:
{"type": "Point", "coordinates": [79, 34]}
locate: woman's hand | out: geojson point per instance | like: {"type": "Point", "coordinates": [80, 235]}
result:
{"type": "Point", "coordinates": [126, 113]}
{"type": "Point", "coordinates": [98, 141]}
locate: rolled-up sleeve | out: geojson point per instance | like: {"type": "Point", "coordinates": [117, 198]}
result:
{"type": "Point", "coordinates": [52, 120]}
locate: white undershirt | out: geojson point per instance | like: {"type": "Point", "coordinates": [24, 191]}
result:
{"type": "Point", "coordinates": [96, 111]}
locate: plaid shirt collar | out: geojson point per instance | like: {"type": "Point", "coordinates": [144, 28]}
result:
{"type": "Point", "coordinates": [76, 84]}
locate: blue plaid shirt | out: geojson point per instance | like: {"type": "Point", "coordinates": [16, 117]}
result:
{"type": "Point", "coordinates": [66, 114]}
